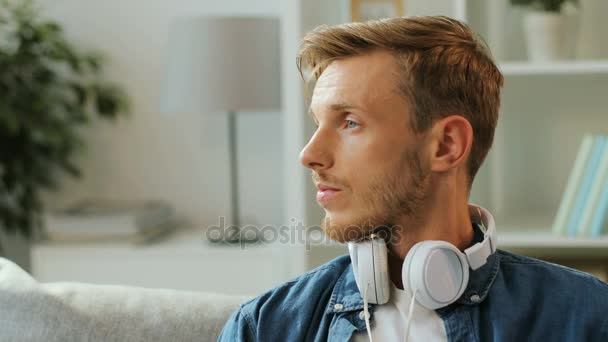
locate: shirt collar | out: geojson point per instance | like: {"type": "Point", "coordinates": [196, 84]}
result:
{"type": "Point", "coordinates": [346, 297]}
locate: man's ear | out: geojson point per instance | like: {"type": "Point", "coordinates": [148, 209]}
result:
{"type": "Point", "coordinates": [451, 142]}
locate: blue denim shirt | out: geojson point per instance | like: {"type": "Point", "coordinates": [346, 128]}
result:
{"type": "Point", "coordinates": [510, 298]}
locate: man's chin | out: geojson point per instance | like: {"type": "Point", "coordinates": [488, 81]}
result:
{"type": "Point", "coordinates": [345, 230]}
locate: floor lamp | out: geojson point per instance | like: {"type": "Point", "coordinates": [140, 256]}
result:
{"type": "Point", "coordinates": [226, 65]}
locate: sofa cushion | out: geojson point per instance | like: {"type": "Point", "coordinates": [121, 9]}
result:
{"type": "Point", "coordinates": [33, 311]}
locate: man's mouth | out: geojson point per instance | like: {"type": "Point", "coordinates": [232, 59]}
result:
{"type": "Point", "coordinates": [326, 192]}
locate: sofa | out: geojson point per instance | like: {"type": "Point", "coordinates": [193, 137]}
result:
{"type": "Point", "coordinates": [68, 311]}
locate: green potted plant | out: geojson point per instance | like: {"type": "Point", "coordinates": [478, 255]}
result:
{"type": "Point", "coordinates": [49, 90]}
{"type": "Point", "coordinates": [550, 28]}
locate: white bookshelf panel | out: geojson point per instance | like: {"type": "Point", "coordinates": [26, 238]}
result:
{"type": "Point", "coordinates": [580, 67]}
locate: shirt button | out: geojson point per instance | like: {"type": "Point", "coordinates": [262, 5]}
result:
{"type": "Point", "coordinates": [475, 298]}
{"type": "Point", "coordinates": [338, 306]}
{"type": "Point", "coordinates": [362, 315]}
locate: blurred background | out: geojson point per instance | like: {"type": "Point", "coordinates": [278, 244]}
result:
{"type": "Point", "coordinates": [193, 115]}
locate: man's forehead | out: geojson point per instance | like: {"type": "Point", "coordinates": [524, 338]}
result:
{"type": "Point", "coordinates": [369, 66]}
{"type": "Point", "coordinates": [357, 81]}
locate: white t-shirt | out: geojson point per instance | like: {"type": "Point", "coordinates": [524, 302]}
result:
{"type": "Point", "coordinates": [390, 321]}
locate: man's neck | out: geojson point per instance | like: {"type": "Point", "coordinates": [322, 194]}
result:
{"type": "Point", "coordinates": [446, 221]}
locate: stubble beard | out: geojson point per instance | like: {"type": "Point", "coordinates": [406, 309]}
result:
{"type": "Point", "coordinates": [393, 197]}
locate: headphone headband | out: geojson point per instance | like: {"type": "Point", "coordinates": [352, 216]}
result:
{"type": "Point", "coordinates": [478, 254]}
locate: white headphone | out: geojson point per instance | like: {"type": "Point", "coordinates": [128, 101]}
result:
{"type": "Point", "coordinates": [436, 270]}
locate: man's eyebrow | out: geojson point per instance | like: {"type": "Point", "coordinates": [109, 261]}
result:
{"type": "Point", "coordinates": [334, 107]}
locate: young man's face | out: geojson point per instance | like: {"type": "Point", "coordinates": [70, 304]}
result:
{"type": "Point", "coordinates": [364, 156]}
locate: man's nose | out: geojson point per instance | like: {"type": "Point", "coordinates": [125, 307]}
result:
{"type": "Point", "coordinates": [316, 154]}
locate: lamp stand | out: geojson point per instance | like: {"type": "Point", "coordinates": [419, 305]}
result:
{"type": "Point", "coordinates": [233, 234]}
{"type": "Point", "coordinates": [234, 179]}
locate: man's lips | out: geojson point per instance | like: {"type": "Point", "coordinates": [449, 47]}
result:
{"type": "Point", "coordinates": [324, 187]}
{"type": "Point", "coordinates": [326, 192]}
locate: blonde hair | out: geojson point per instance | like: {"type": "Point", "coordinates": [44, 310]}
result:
{"type": "Point", "coordinates": [445, 69]}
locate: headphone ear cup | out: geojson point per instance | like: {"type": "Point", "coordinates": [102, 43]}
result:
{"type": "Point", "coordinates": [370, 266]}
{"type": "Point", "coordinates": [407, 265]}
{"type": "Point", "coordinates": [438, 271]}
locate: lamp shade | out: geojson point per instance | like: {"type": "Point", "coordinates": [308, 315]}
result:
{"type": "Point", "coordinates": [222, 64]}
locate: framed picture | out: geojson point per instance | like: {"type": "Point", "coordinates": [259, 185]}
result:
{"type": "Point", "coordinates": [362, 10]}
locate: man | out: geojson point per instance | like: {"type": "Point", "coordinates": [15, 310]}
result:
{"type": "Point", "coordinates": [405, 110]}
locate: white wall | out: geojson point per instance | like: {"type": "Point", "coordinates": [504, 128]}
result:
{"type": "Point", "coordinates": [182, 157]}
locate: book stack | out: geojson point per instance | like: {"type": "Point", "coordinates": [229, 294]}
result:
{"type": "Point", "coordinates": [583, 211]}
{"type": "Point", "coordinates": [96, 220]}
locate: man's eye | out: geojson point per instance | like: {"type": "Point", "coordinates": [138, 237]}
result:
{"type": "Point", "coordinates": [351, 124]}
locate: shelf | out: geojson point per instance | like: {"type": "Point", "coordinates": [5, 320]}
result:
{"type": "Point", "coordinates": [542, 243]}
{"type": "Point", "coordinates": [186, 242]}
{"type": "Point", "coordinates": [183, 261]}
{"type": "Point", "coordinates": [580, 67]}
{"type": "Point", "coordinates": [535, 243]}
{"type": "Point", "coordinates": [544, 239]}
{"type": "Point", "coordinates": [532, 235]}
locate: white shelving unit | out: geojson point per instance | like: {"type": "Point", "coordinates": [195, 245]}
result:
{"type": "Point", "coordinates": [546, 109]}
